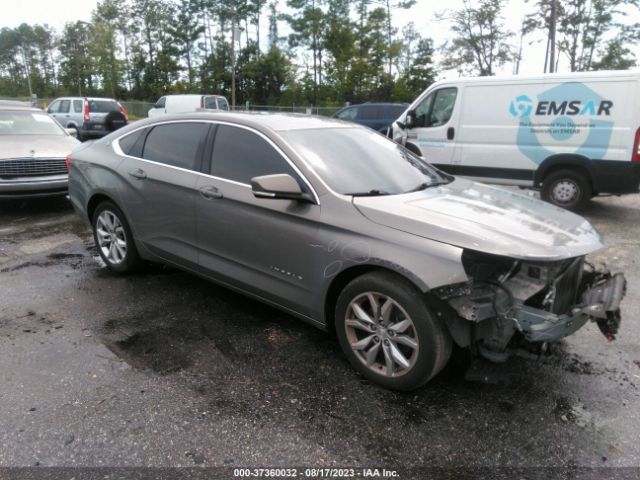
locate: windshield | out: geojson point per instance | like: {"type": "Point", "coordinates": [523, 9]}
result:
{"type": "Point", "coordinates": [28, 123]}
{"type": "Point", "coordinates": [358, 161]}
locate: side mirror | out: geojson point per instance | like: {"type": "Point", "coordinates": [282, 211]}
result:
{"type": "Point", "coordinates": [72, 131]}
{"type": "Point", "coordinates": [410, 119]}
{"type": "Point", "coordinates": [281, 185]}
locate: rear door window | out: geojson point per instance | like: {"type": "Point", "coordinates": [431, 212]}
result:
{"type": "Point", "coordinates": [240, 155]}
{"type": "Point", "coordinates": [77, 106]}
{"type": "Point", "coordinates": [175, 144]}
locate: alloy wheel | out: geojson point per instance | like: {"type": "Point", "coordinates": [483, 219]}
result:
{"type": "Point", "coordinates": [381, 334]}
{"type": "Point", "coordinates": [111, 237]}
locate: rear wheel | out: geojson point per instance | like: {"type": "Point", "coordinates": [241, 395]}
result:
{"type": "Point", "coordinates": [388, 332]}
{"type": "Point", "coordinates": [114, 239]}
{"type": "Point", "coordinates": [568, 189]}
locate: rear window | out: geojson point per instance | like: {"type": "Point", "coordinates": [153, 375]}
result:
{"type": "Point", "coordinates": [175, 144]}
{"type": "Point", "coordinates": [103, 106]}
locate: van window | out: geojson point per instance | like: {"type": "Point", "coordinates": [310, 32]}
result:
{"type": "Point", "coordinates": [442, 107]}
{"type": "Point", "coordinates": [223, 104]}
{"type": "Point", "coordinates": [175, 144]}
{"type": "Point", "coordinates": [210, 102]}
{"type": "Point", "coordinates": [161, 102]}
{"type": "Point", "coordinates": [435, 110]}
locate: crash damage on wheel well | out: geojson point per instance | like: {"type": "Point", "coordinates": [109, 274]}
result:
{"type": "Point", "coordinates": [509, 303]}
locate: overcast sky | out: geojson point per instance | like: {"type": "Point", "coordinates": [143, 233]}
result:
{"type": "Point", "coordinates": [57, 12]}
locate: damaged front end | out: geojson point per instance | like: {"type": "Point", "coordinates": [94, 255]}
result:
{"type": "Point", "coordinates": [508, 301]}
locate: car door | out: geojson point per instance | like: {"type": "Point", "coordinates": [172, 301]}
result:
{"type": "Point", "coordinates": [60, 111]}
{"type": "Point", "coordinates": [159, 170]}
{"type": "Point", "coordinates": [434, 127]}
{"type": "Point", "coordinates": [262, 245]}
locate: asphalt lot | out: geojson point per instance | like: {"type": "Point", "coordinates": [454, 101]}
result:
{"type": "Point", "coordinates": [162, 369]}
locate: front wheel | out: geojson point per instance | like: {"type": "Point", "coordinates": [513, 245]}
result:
{"type": "Point", "coordinates": [388, 332]}
{"type": "Point", "coordinates": [114, 239]}
{"type": "Point", "coordinates": [568, 189]}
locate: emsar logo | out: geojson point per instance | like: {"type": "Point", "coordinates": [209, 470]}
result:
{"type": "Point", "coordinates": [521, 107]}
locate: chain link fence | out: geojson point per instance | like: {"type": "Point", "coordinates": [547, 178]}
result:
{"type": "Point", "coordinates": [138, 109]}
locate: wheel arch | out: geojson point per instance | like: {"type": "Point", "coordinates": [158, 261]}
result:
{"type": "Point", "coordinates": [562, 161]}
{"type": "Point", "coordinates": [95, 200]}
{"type": "Point", "coordinates": [342, 279]}
{"type": "Point", "coordinates": [413, 148]}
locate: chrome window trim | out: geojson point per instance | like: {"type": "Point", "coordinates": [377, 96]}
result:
{"type": "Point", "coordinates": [115, 145]}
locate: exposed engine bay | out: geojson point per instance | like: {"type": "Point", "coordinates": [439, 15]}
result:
{"type": "Point", "coordinates": [507, 302]}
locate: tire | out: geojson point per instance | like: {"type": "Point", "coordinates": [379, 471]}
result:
{"type": "Point", "coordinates": [568, 189]}
{"type": "Point", "coordinates": [114, 120]}
{"type": "Point", "coordinates": [108, 223]}
{"type": "Point", "coordinates": [78, 136]}
{"type": "Point", "coordinates": [405, 323]}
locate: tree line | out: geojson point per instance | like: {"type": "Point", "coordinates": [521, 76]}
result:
{"type": "Point", "coordinates": [335, 51]}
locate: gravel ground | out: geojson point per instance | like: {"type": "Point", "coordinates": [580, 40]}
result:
{"type": "Point", "coordinates": [163, 369]}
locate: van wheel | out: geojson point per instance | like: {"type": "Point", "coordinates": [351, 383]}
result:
{"type": "Point", "coordinates": [567, 189]}
{"type": "Point", "coordinates": [388, 332]}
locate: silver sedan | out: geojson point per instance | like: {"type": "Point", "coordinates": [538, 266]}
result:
{"type": "Point", "coordinates": [348, 231]}
{"type": "Point", "coordinates": [33, 151]}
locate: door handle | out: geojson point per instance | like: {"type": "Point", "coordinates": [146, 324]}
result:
{"type": "Point", "coordinates": [210, 192]}
{"type": "Point", "coordinates": [451, 132]}
{"type": "Point", "coordinates": [138, 173]}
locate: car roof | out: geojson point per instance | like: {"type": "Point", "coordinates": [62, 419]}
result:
{"type": "Point", "coordinates": [83, 98]}
{"type": "Point", "coordinates": [278, 122]}
{"type": "Point", "coordinates": [379, 104]}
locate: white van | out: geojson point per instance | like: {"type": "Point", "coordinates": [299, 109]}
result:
{"type": "Point", "coordinates": [573, 136]}
{"type": "Point", "coordinates": [170, 104]}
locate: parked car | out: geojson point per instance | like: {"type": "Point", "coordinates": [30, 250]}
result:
{"type": "Point", "coordinates": [347, 230]}
{"type": "Point", "coordinates": [91, 117]}
{"type": "Point", "coordinates": [33, 151]}
{"type": "Point", "coordinates": [170, 104]}
{"type": "Point", "coordinates": [378, 116]}
{"type": "Point", "coordinates": [573, 135]}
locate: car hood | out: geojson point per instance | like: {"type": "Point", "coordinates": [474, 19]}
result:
{"type": "Point", "coordinates": [36, 146]}
{"type": "Point", "coordinates": [485, 218]}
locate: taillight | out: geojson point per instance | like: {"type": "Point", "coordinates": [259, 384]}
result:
{"type": "Point", "coordinates": [123, 111]}
{"type": "Point", "coordinates": [635, 155]}
{"type": "Point", "coordinates": [85, 114]}
{"type": "Point", "coordinates": [68, 162]}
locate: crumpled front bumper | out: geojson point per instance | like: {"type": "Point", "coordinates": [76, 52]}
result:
{"type": "Point", "coordinates": [600, 303]}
